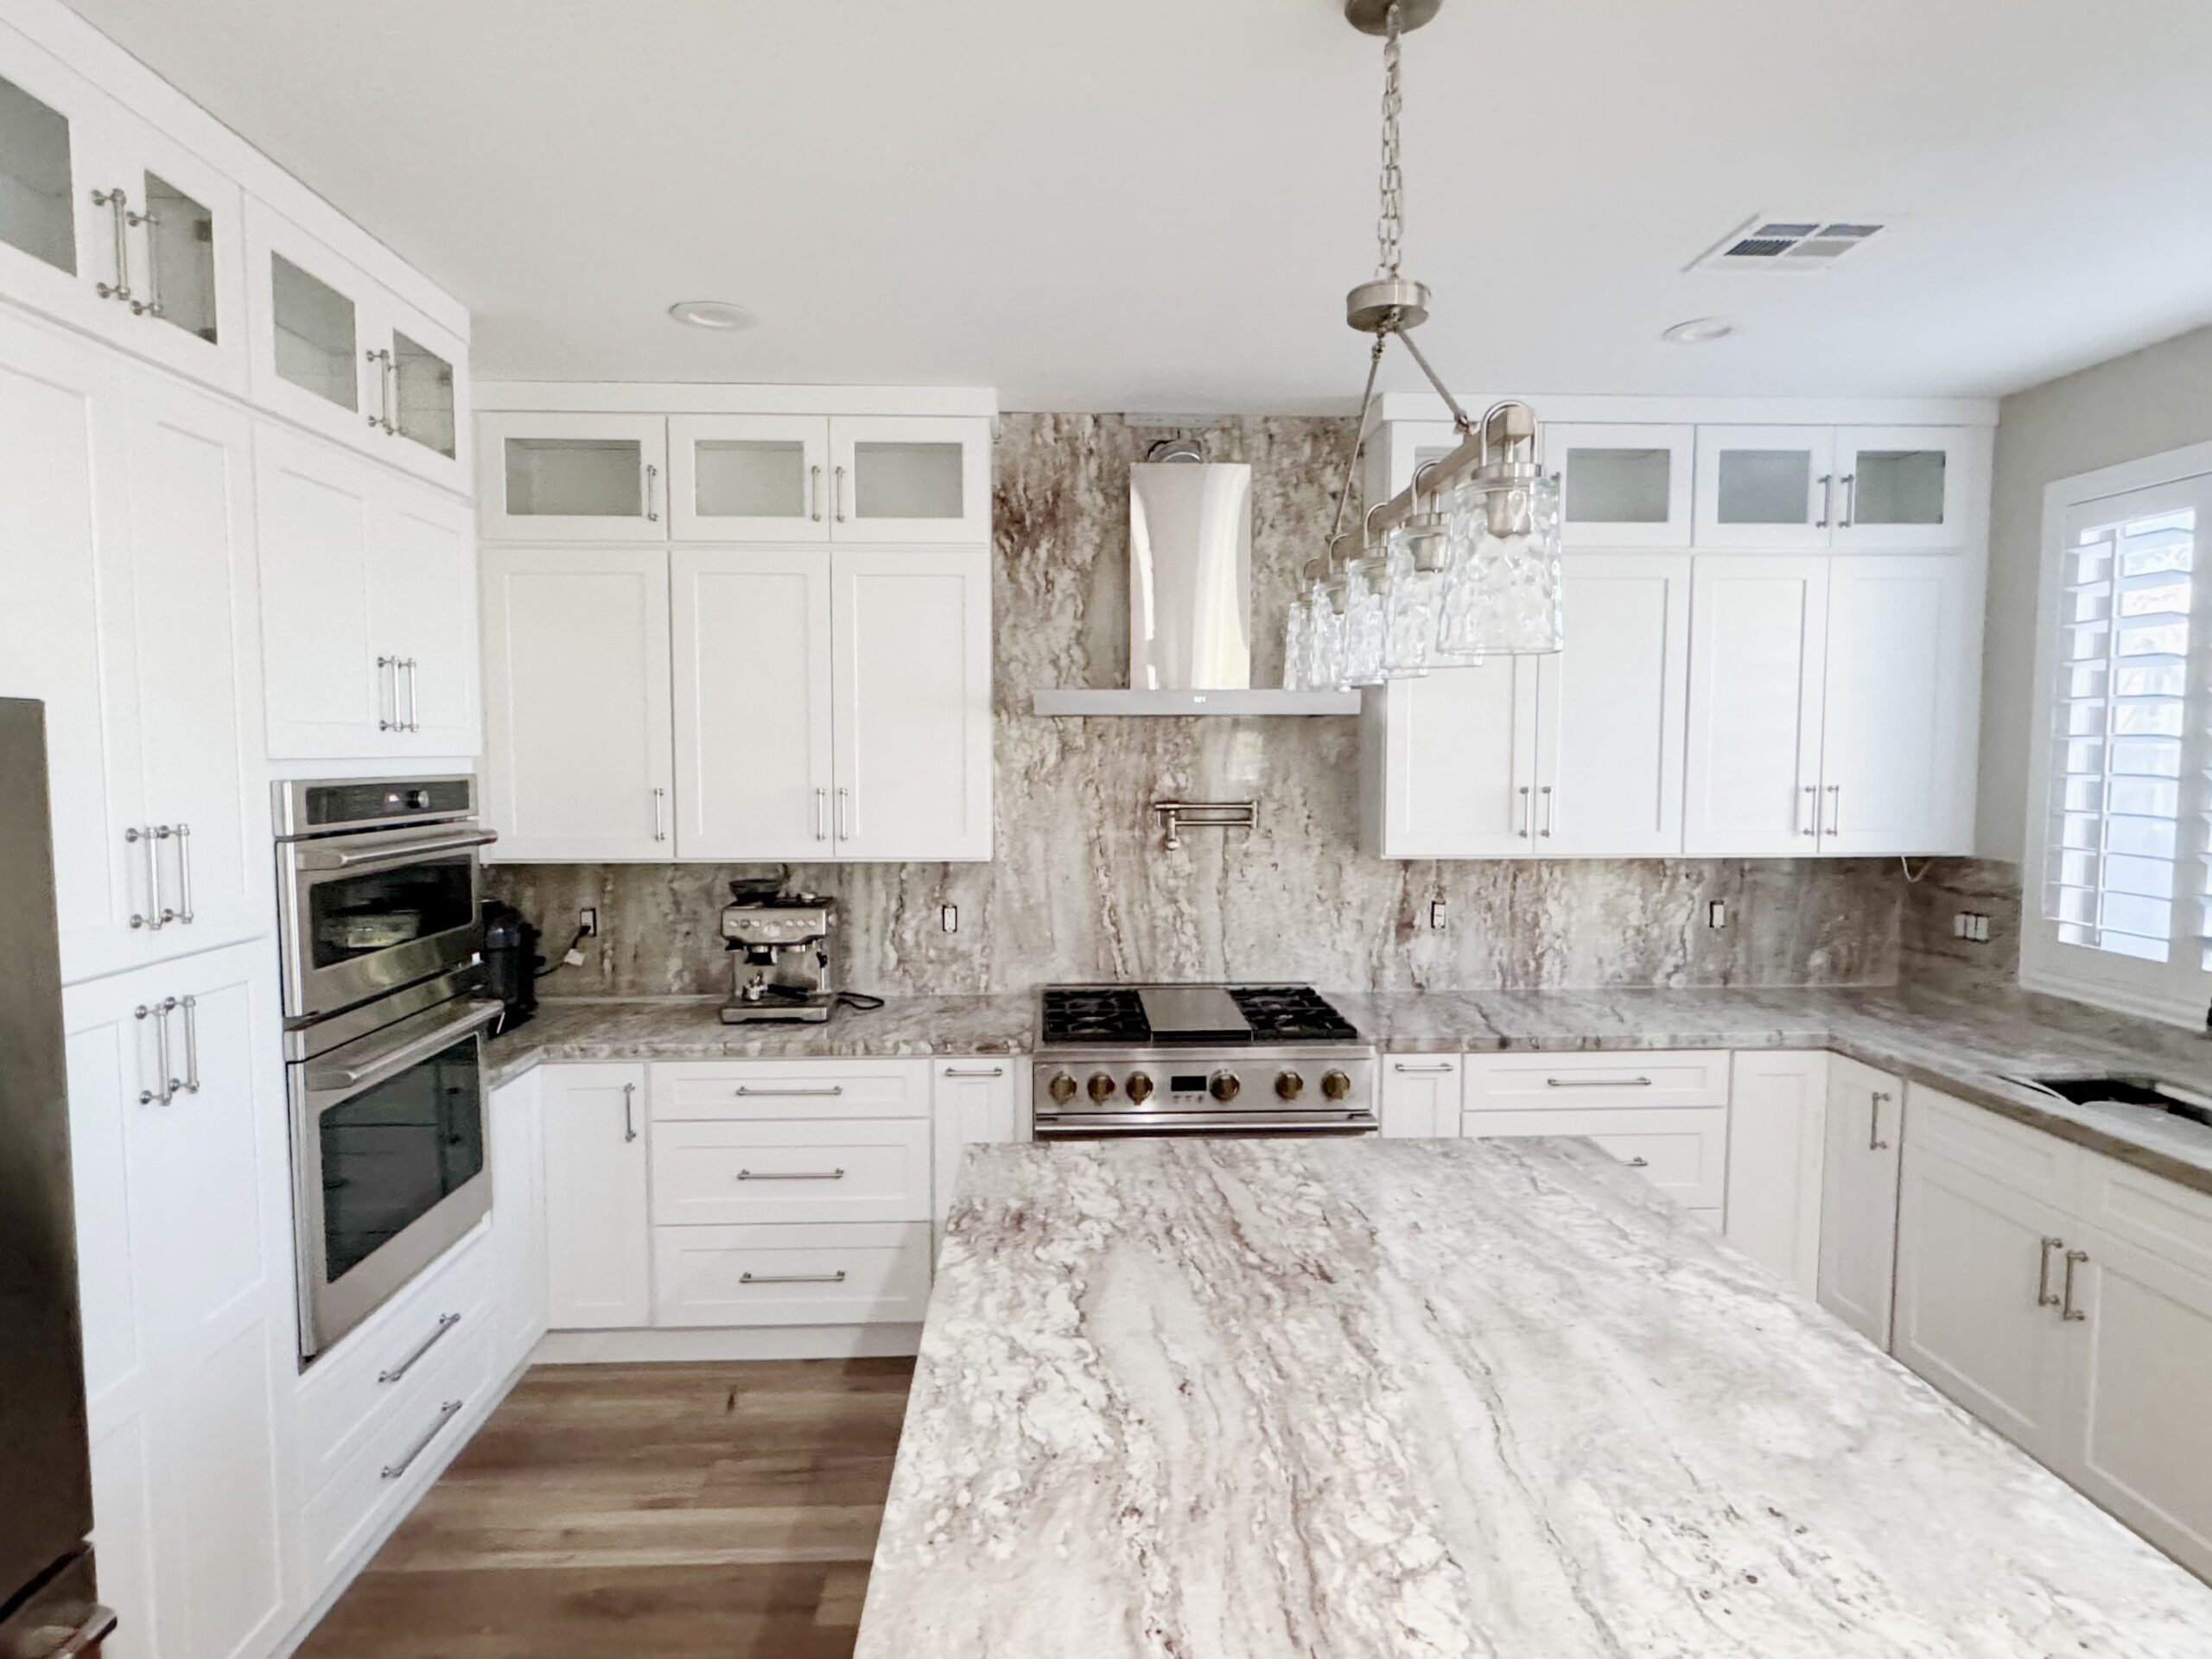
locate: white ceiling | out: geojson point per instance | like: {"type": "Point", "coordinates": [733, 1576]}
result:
{"type": "Point", "coordinates": [1157, 204]}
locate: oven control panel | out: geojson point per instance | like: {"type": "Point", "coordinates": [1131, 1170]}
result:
{"type": "Point", "coordinates": [1324, 1090]}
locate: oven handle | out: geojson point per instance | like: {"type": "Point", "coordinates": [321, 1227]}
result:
{"type": "Point", "coordinates": [1157, 1123]}
{"type": "Point", "coordinates": [310, 858]}
{"type": "Point", "coordinates": [324, 1079]}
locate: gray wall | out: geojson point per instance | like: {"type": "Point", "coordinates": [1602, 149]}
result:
{"type": "Point", "coordinates": [2155, 399]}
{"type": "Point", "coordinates": [1080, 887]}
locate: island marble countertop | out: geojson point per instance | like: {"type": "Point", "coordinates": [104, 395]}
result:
{"type": "Point", "coordinates": [1967, 1048]}
{"type": "Point", "coordinates": [1420, 1399]}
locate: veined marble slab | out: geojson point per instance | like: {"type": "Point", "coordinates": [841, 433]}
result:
{"type": "Point", "coordinates": [1436, 1400]}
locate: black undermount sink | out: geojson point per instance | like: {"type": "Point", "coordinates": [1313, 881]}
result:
{"type": "Point", "coordinates": [2150, 1093]}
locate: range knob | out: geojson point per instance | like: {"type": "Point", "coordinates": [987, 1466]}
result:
{"type": "Point", "coordinates": [1224, 1086]}
{"type": "Point", "coordinates": [1101, 1085]}
{"type": "Point", "coordinates": [1139, 1087]}
{"type": "Point", "coordinates": [1289, 1084]}
{"type": "Point", "coordinates": [1335, 1086]}
{"type": "Point", "coordinates": [1062, 1088]}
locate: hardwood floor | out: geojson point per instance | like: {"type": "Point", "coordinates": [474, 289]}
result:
{"type": "Point", "coordinates": [726, 1511]}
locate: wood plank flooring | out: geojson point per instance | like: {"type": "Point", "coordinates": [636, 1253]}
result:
{"type": "Point", "coordinates": [726, 1511]}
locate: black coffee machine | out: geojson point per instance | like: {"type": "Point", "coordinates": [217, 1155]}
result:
{"type": "Point", "coordinates": [510, 961]}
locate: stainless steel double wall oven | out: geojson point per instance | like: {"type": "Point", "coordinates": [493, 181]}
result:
{"type": "Point", "coordinates": [378, 887]}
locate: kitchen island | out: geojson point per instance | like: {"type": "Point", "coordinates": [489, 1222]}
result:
{"type": "Point", "coordinates": [1250, 1399]}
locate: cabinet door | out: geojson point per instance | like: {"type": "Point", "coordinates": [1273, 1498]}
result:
{"type": "Point", "coordinates": [1777, 1127]}
{"type": "Point", "coordinates": [573, 478]}
{"type": "Point", "coordinates": [60, 642]}
{"type": "Point", "coordinates": [1980, 1238]}
{"type": "Point", "coordinates": [1766, 486]}
{"type": "Point", "coordinates": [1859, 1196]}
{"type": "Point", "coordinates": [749, 477]}
{"type": "Point", "coordinates": [596, 1248]}
{"type": "Point", "coordinates": [57, 245]}
{"type": "Point", "coordinates": [183, 566]}
{"type": "Point", "coordinates": [752, 658]}
{"type": "Point", "coordinates": [314, 352]}
{"type": "Point", "coordinates": [422, 395]}
{"type": "Point", "coordinates": [576, 750]}
{"type": "Point", "coordinates": [2140, 1348]}
{"type": "Point", "coordinates": [517, 1307]}
{"type": "Point", "coordinates": [329, 692]}
{"type": "Point", "coordinates": [1758, 634]}
{"type": "Point", "coordinates": [1458, 775]}
{"type": "Point", "coordinates": [910, 478]}
{"type": "Point", "coordinates": [1895, 762]}
{"type": "Point", "coordinates": [1420, 1096]}
{"type": "Point", "coordinates": [1612, 709]}
{"type": "Point", "coordinates": [912, 702]}
{"type": "Point", "coordinates": [1622, 486]}
{"type": "Point", "coordinates": [1682, 1153]}
{"type": "Point", "coordinates": [1905, 485]}
{"type": "Point", "coordinates": [975, 1103]}
{"type": "Point", "coordinates": [423, 598]}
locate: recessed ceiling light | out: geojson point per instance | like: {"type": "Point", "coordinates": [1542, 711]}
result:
{"type": "Point", "coordinates": [719, 314]}
{"type": "Point", "coordinates": [1698, 330]}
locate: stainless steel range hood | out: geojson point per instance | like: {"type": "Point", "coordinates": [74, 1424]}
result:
{"type": "Point", "coordinates": [1189, 576]}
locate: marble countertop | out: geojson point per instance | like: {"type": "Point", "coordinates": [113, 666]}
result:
{"type": "Point", "coordinates": [1967, 1048]}
{"type": "Point", "coordinates": [1240, 1400]}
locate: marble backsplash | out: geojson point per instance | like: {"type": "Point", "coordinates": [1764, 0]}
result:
{"type": "Point", "coordinates": [1080, 887]}
{"type": "Point", "coordinates": [1930, 954]}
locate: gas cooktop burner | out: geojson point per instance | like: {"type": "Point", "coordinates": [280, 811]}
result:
{"type": "Point", "coordinates": [1148, 1016]}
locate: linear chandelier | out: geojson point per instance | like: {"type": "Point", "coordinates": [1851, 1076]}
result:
{"type": "Point", "coordinates": [1463, 564]}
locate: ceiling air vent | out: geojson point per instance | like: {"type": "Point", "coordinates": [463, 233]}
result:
{"type": "Point", "coordinates": [1786, 245]}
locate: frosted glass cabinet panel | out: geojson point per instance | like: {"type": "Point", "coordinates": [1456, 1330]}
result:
{"type": "Point", "coordinates": [1622, 486]}
{"type": "Point", "coordinates": [574, 477]}
{"type": "Point", "coordinates": [317, 343]}
{"type": "Point", "coordinates": [909, 479]}
{"type": "Point", "coordinates": [1767, 486]}
{"type": "Point", "coordinates": [571, 478]}
{"type": "Point", "coordinates": [1903, 486]}
{"type": "Point", "coordinates": [179, 259]}
{"type": "Point", "coordinates": [749, 477]}
{"type": "Point", "coordinates": [422, 396]}
{"type": "Point", "coordinates": [35, 204]}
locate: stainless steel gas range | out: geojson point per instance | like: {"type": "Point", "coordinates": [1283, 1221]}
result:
{"type": "Point", "coordinates": [1116, 1060]}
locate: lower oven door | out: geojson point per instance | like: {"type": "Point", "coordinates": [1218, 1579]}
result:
{"type": "Point", "coordinates": [388, 1161]}
{"type": "Point", "coordinates": [1115, 1126]}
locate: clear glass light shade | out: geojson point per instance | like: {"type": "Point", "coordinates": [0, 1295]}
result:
{"type": "Point", "coordinates": [1502, 585]}
{"type": "Point", "coordinates": [1297, 644]}
{"type": "Point", "coordinates": [1364, 629]}
{"type": "Point", "coordinates": [1409, 611]}
{"type": "Point", "coordinates": [1324, 637]}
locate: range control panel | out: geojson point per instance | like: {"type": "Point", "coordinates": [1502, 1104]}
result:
{"type": "Point", "coordinates": [1323, 1087]}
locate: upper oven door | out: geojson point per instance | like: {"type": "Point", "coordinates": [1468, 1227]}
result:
{"type": "Point", "coordinates": [362, 915]}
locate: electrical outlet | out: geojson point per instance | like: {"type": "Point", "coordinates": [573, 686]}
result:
{"type": "Point", "coordinates": [948, 917]}
{"type": "Point", "coordinates": [1716, 913]}
{"type": "Point", "coordinates": [1436, 916]}
{"type": "Point", "coordinates": [1970, 925]}
{"type": "Point", "coordinates": [588, 921]}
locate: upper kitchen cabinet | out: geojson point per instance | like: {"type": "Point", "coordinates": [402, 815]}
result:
{"type": "Point", "coordinates": [1792, 487]}
{"type": "Point", "coordinates": [337, 352]}
{"type": "Point", "coordinates": [749, 477]}
{"type": "Point", "coordinates": [909, 479]}
{"type": "Point", "coordinates": [573, 478]}
{"type": "Point", "coordinates": [1622, 484]}
{"type": "Point", "coordinates": [109, 225]}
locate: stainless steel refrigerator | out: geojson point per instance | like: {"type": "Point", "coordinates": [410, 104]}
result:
{"type": "Point", "coordinates": [47, 1605]}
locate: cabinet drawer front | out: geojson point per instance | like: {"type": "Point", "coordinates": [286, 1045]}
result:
{"type": "Point", "coordinates": [1683, 1153]}
{"type": "Point", "coordinates": [866, 1273]}
{"type": "Point", "coordinates": [349, 1395]}
{"type": "Point", "coordinates": [1513, 1082]}
{"type": "Point", "coordinates": [2027, 1160]}
{"type": "Point", "coordinates": [409, 1439]}
{"type": "Point", "coordinates": [872, 1169]}
{"type": "Point", "coordinates": [758, 1090]}
{"type": "Point", "coordinates": [2171, 1221]}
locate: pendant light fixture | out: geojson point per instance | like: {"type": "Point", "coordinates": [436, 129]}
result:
{"type": "Point", "coordinates": [1463, 562]}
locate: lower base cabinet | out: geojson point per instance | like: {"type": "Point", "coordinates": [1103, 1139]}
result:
{"type": "Point", "coordinates": [598, 1274]}
{"type": "Point", "coordinates": [1777, 1118]}
{"type": "Point", "coordinates": [973, 1102]}
{"type": "Point", "coordinates": [831, 1273]}
{"type": "Point", "coordinates": [1862, 1136]}
{"type": "Point", "coordinates": [1420, 1096]}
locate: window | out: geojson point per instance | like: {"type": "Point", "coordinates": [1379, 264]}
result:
{"type": "Point", "coordinates": [2121, 841]}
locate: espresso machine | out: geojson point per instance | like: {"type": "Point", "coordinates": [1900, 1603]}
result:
{"type": "Point", "coordinates": [780, 955]}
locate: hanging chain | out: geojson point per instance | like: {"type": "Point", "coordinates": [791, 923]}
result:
{"type": "Point", "coordinates": [1390, 227]}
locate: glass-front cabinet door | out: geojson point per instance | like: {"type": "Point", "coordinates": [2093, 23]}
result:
{"type": "Point", "coordinates": [1766, 486]}
{"type": "Point", "coordinates": [421, 386]}
{"type": "Point", "coordinates": [909, 479]}
{"type": "Point", "coordinates": [1621, 486]}
{"type": "Point", "coordinates": [40, 205]}
{"type": "Point", "coordinates": [586, 478]}
{"type": "Point", "coordinates": [749, 477]}
{"type": "Point", "coordinates": [313, 345]}
{"type": "Point", "coordinates": [1902, 487]}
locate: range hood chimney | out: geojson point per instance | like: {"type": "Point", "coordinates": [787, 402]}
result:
{"type": "Point", "coordinates": [1190, 572]}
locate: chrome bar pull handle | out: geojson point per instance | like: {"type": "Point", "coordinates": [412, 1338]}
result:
{"type": "Point", "coordinates": [660, 813]}
{"type": "Point", "coordinates": [652, 493]}
{"type": "Point", "coordinates": [814, 493]}
{"type": "Point", "coordinates": [1827, 499]}
{"type": "Point", "coordinates": [790, 1175]}
{"type": "Point", "coordinates": [190, 1008]}
{"type": "Point", "coordinates": [151, 305]}
{"type": "Point", "coordinates": [381, 362]}
{"type": "Point", "coordinates": [1874, 1142]}
{"type": "Point", "coordinates": [2066, 1308]}
{"type": "Point", "coordinates": [975, 1072]}
{"type": "Point", "coordinates": [1835, 810]}
{"type": "Point", "coordinates": [119, 214]}
{"type": "Point", "coordinates": [821, 815]}
{"type": "Point", "coordinates": [446, 1415]}
{"type": "Point", "coordinates": [159, 1014]}
{"type": "Point", "coordinates": [744, 1092]}
{"type": "Point", "coordinates": [1443, 1069]}
{"type": "Point", "coordinates": [387, 679]}
{"type": "Point", "coordinates": [1639, 1163]}
{"type": "Point", "coordinates": [837, 496]}
{"type": "Point", "coordinates": [1597, 1083]}
{"type": "Point", "coordinates": [1810, 831]}
{"type": "Point", "coordinates": [836, 1278]}
{"type": "Point", "coordinates": [1527, 811]}
{"type": "Point", "coordinates": [438, 1333]}
{"type": "Point", "coordinates": [1546, 792]}
{"type": "Point", "coordinates": [141, 836]}
{"type": "Point", "coordinates": [844, 814]}
{"type": "Point", "coordinates": [414, 721]}
{"type": "Point", "coordinates": [1850, 500]}
{"type": "Point", "coordinates": [164, 914]}
{"type": "Point", "coordinates": [2043, 1297]}
{"type": "Point", "coordinates": [184, 872]}
{"type": "Point", "coordinates": [629, 1113]}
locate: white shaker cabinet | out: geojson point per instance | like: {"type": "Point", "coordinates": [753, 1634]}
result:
{"type": "Point", "coordinates": [749, 477]}
{"type": "Point", "coordinates": [1621, 484]}
{"type": "Point", "coordinates": [513, 1113]}
{"type": "Point", "coordinates": [597, 1271]}
{"type": "Point", "coordinates": [1777, 1131]}
{"type": "Point", "coordinates": [1851, 488]}
{"type": "Point", "coordinates": [1450, 762]}
{"type": "Point", "coordinates": [973, 1102]}
{"type": "Point", "coordinates": [177, 1132]}
{"type": "Point", "coordinates": [1420, 1096]}
{"type": "Point", "coordinates": [752, 671]}
{"type": "Point", "coordinates": [578, 761]}
{"type": "Point", "coordinates": [1759, 650]}
{"type": "Point", "coordinates": [909, 479]}
{"type": "Point", "coordinates": [576, 478]}
{"type": "Point", "coordinates": [1859, 1196]}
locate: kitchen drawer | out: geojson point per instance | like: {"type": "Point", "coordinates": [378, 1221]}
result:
{"type": "Point", "coordinates": [1609, 1081]}
{"type": "Point", "coordinates": [747, 1174]}
{"type": "Point", "coordinates": [701, 1090]}
{"type": "Point", "coordinates": [345, 1395]}
{"type": "Point", "coordinates": [1683, 1153]}
{"type": "Point", "coordinates": [874, 1273]}
{"type": "Point", "coordinates": [393, 1462]}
